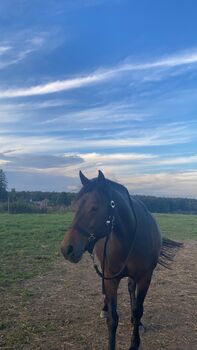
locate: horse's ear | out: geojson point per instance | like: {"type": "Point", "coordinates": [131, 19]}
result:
{"type": "Point", "coordinates": [84, 180]}
{"type": "Point", "coordinates": [101, 177]}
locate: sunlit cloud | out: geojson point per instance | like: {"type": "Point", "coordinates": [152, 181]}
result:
{"type": "Point", "coordinates": [96, 157]}
{"type": "Point", "coordinates": [178, 184]}
{"type": "Point", "coordinates": [109, 162]}
{"type": "Point", "coordinates": [177, 160]}
{"type": "Point", "coordinates": [3, 162]}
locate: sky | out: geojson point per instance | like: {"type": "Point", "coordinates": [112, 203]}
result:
{"type": "Point", "coordinates": [99, 84]}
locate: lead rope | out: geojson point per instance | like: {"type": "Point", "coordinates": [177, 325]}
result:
{"type": "Point", "coordinates": [118, 274]}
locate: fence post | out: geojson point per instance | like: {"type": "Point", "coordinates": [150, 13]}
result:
{"type": "Point", "coordinates": [8, 204]}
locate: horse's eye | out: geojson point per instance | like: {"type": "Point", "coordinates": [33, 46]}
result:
{"type": "Point", "coordinates": [94, 209]}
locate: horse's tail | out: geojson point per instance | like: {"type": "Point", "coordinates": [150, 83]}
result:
{"type": "Point", "coordinates": [168, 251]}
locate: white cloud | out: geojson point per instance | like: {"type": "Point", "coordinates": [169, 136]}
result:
{"type": "Point", "coordinates": [4, 49]}
{"type": "Point", "coordinates": [117, 157]}
{"type": "Point", "coordinates": [98, 76]}
{"type": "Point", "coordinates": [179, 184]}
{"type": "Point", "coordinates": [110, 162]}
{"type": "Point", "coordinates": [31, 144]}
{"type": "Point", "coordinates": [3, 162]}
{"type": "Point", "coordinates": [177, 160]}
{"type": "Point", "coordinates": [54, 86]}
{"type": "Point", "coordinates": [20, 46]}
{"type": "Point", "coordinates": [107, 116]}
{"type": "Point", "coordinates": [15, 116]}
{"type": "Point", "coordinates": [124, 168]}
{"type": "Point", "coordinates": [171, 134]}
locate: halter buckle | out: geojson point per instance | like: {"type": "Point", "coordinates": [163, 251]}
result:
{"type": "Point", "coordinates": [112, 204]}
{"type": "Point", "coordinates": [91, 237]}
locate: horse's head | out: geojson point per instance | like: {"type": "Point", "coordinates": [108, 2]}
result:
{"type": "Point", "coordinates": [91, 221]}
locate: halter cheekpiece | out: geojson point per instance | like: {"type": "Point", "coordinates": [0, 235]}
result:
{"type": "Point", "coordinates": [110, 222]}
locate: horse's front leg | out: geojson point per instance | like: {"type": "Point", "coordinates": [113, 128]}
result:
{"type": "Point", "coordinates": [131, 289]}
{"type": "Point", "coordinates": [111, 287]}
{"type": "Point", "coordinates": [142, 288]}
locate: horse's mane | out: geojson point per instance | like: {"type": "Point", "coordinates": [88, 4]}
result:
{"type": "Point", "coordinates": [109, 185]}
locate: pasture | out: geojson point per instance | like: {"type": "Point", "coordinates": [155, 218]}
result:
{"type": "Point", "coordinates": [47, 303]}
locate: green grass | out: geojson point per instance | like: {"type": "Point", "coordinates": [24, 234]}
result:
{"type": "Point", "coordinates": [29, 246]}
{"type": "Point", "coordinates": [29, 243]}
{"type": "Point", "coordinates": [178, 226]}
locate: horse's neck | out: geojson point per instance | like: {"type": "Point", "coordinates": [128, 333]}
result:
{"type": "Point", "coordinates": [124, 217]}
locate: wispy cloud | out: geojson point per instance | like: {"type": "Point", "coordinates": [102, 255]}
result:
{"type": "Point", "coordinates": [173, 161]}
{"type": "Point", "coordinates": [172, 184]}
{"type": "Point", "coordinates": [4, 49]}
{"type": "Point", "coordinates": [55, 86]}
{"type": "Point", "coordinates": [98, 76]}
{"type": "Point", "coordinates": [162, 135]}
{"type": "Point", "coordinates": [108, 116]}
{"type": "Point", "coordinates": [16, 57]}
{"type": "Point", "coordinates": [29, 106]}
{"type": "Point", "coordinates": [19, 46]}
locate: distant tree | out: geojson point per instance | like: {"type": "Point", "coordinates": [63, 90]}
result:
{"type": "Point", "coordinates": [3, 185]}
{"type": "Point", "coordinates": [65, 198]}
{"type": "Point", "coordinates": [13, 195]}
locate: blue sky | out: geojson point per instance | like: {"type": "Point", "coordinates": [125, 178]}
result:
{"type": "Point", "coordinates": [99, 84]}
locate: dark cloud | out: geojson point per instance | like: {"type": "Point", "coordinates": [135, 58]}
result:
{"type": "Point", "coordinates": [40, 161]}
{"type": "Point", "coordinates": [22, 181]}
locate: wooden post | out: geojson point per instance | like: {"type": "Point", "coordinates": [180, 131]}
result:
{"type": "Point", "coordinates": [8, 204]}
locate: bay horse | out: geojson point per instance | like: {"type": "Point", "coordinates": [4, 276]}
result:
{"type": "Point", "coordinates": [127, 242]}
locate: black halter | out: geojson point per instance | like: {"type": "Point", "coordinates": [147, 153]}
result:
{"type": "Point", "coordinates": [110, 223]}
{"type": "Point", "coordinates": [92, 239]}
{"type": "Point", "coordinates": [121, 273]}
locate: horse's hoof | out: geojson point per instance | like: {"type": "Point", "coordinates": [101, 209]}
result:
{"type": "Point", "coordinates": [142, 329]}
{"type": "Point", "coordinates": [104, 314]}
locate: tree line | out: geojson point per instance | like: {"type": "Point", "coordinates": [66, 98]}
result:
{"type": "Point", "coordinates": [169, 205]}
{"type": "Point", "coordinates": [44, 202]}
{"type": "Point", "coordinates": [35, 201]}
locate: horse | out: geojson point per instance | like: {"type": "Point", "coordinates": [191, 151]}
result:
{"type": "Point", "coordinates": [127, 242]}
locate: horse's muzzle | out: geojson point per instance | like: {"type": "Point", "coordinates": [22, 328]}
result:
{"type": "Point", "coordinates": [70, 254]}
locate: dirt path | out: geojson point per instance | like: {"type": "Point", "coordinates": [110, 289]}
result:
{"type": "Point", "coordinates": [60, 310]}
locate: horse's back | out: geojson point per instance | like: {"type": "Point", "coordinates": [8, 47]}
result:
{"type": "Point", "coordinates": [147, 237]}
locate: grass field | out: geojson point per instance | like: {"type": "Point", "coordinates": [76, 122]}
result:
{"type": "Point", "coordinates": [29, 243]}
{"type": "Point", "coordinates": [29, 251]}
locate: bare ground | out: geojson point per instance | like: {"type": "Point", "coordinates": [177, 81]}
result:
{"type": "Point", "coordinates": [60, 309]}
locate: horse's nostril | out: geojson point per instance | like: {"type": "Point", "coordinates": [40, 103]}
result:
{"type": "Point", "coordinates": [67, 251]}
{"type": "Point", "coordinates": [70, 250]}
